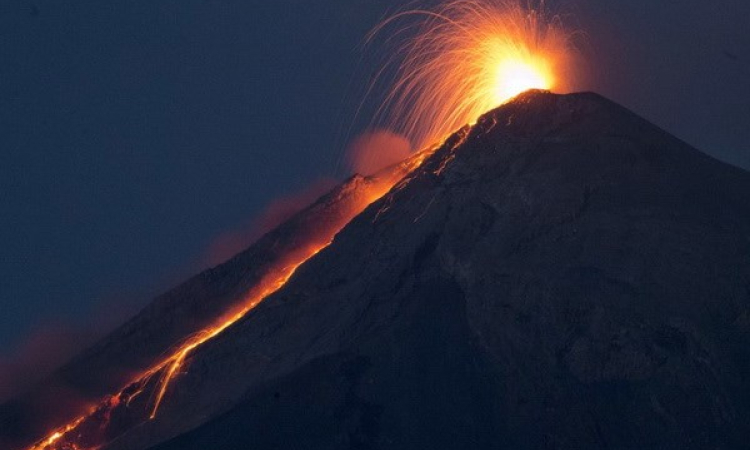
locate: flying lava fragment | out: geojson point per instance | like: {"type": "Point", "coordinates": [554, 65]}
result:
{"type": "Point", "coordinates": [456, 62]}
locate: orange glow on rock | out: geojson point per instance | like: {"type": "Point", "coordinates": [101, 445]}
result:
{"type": "Point", "coordinates": [270, 284]}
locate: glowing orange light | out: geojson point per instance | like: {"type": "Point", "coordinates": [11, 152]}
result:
{"type": "Point", "coordinates": [515, 76]}
{"type": "Point", "coordinates": [466, 57]}
{"type": "Point", "coordinates": [360, 196]}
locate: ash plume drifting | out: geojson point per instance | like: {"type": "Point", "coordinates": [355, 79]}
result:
{"type": "Point", "coordinates": [376, 150]}
{"type": "Point", "coordinates": [41, 352]}
{"type": "Point", "coordinates": [274, 214]}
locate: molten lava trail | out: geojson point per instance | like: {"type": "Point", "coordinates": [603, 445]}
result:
{"type": "Point", "coordinates": [170, 367]}
{"type": "Point", "coordinates": [86, 431]}
{"type": "Point", "coordinates": [173, 364]}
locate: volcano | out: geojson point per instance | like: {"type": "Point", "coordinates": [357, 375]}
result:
{"type": "Point", "coordinates": [561, 274]}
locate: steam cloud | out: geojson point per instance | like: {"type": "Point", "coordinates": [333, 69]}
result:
{"type": "Point", "coordinates": [51, 344]}
{"type": "Point", "coordinates": [376, 150]}
{"type": "Point", "coordinates": [232, 242]}
{"type": "Point", "coordinates": [39, 354]}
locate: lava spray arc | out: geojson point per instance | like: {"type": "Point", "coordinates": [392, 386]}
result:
{"type": "Point", "coordinates": [449, 65]}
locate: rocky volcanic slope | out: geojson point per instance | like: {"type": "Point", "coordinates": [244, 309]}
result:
{"type": "Point", "coordinates": [564, 276]}
{"type": "Point", "coordinates": [174, 316]}
{"type": "Point", "coordinates": [561, 275]}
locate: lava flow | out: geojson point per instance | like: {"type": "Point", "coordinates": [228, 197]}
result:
{"type": "Point", "coordinates": [131, 407]}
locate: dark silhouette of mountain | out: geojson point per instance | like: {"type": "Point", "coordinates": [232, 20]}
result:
{"type": "Point", "coordinates": [561, 274]}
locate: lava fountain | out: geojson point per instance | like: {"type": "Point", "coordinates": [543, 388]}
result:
{"type": "Point", "coordinates": [452, 64]}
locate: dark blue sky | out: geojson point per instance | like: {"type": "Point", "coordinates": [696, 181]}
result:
{"type": "Point", "coordinates": [133, 133]}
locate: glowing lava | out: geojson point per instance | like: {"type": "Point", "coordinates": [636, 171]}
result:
{"type": "Point", "coordinates": [514, 77]}
{"type": "Point", "coordinates": [92, 430]}
{"type": "Point", "coordinates": [466, 57]}
{"type": "Point", "coordinates": [266, 287]}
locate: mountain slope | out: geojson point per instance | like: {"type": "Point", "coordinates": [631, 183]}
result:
{"type": "Point", "coordinates": [562, 274]}
{"type": "Point", "coordinates": [565, 275]}
{"type": "Point", "coordinates": [173, 318]}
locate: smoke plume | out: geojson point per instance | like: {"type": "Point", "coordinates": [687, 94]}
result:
{"type": "Point", "coordinates": [376, 150]}
{"type": "Point", "coordinates": [234, 241]}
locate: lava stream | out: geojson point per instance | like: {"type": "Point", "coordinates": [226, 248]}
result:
{"type": "Point", "coordinates": [176, 361]}
{"type": "Point", "coordinates": [91, 430]}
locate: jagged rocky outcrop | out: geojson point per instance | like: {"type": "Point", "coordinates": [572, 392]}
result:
{"type": "Point", "coordinates": [563, 274]}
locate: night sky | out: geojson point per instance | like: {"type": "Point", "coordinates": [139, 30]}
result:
{"type": "Point", "coordinates": [134, 133]}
